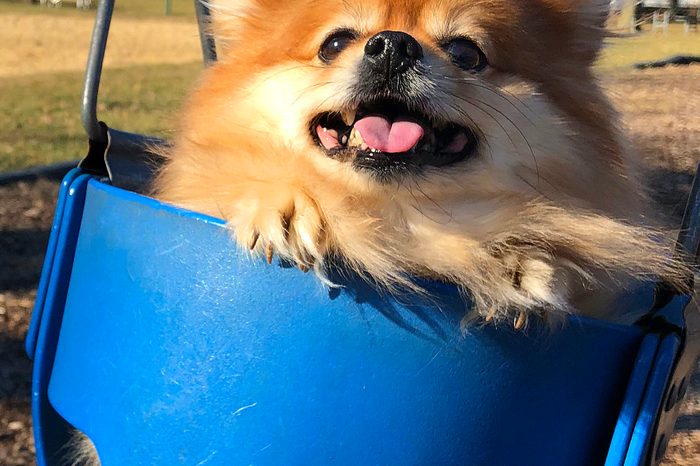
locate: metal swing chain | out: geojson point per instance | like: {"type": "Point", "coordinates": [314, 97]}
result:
{"type": "Point", "coordinates": [120, 156]}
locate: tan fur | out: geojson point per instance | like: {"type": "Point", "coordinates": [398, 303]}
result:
{"type": "Point", "coordinates": [81, 451]}
{"type": "Point", "coordinates": [547, 213]}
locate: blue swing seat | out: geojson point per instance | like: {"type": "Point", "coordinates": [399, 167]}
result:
{"type": "Point", "coordinates": [154, 336]}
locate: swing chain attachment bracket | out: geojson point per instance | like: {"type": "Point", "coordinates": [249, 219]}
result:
{"type": "Point", "coordinates": [126, 159]}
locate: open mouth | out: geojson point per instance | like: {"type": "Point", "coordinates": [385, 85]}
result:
{"type": "Point", "coordinates": [387, 137]}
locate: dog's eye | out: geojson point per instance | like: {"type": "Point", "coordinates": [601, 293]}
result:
{"type": "Point", "coordinates": [465, 54]}
{"type": "Point", "coordinates": [335, 43]}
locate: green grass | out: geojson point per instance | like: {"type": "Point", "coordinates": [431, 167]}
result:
{"type": "Point", "coordinates": [622, 53]}
{"type": "Point", "coordinates": [144, 8]}
{"type": "Point", "coordinates": [40, 116]}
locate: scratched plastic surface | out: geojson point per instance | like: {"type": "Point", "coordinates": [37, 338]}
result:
{"type": "Point", "coordinates": [177, 349]}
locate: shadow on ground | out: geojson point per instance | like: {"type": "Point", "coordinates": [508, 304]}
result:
{"type": "Point", "coordinates": [26, 211]}
{"type": "Point", "coordinates": [22, 258]}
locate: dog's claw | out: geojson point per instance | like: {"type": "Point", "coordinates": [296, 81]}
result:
{"type": "Point", "coordinates": [253, 241]}
{"type": "Point", "coordinates": [520, 321]}
{"type": "Point", "coordinates": [269, 251]}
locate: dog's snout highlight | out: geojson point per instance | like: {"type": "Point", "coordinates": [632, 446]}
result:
{"type": "Point", "coordinates": [392, 52]}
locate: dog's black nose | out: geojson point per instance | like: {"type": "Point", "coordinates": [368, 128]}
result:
{"type": "Point", "coordinates": [392, 52]}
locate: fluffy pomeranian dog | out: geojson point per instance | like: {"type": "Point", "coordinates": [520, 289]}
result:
{"type": "Point", "coordinates": [464, 141]}
{"type": "Point", "coordinates": [461, 140]}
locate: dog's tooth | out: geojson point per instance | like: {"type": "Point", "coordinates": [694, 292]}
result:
{"type": "Point", "coordinates": [344, 139]}
{"type": "Point", "coordinates": [355, 139]}
{"type": "Point", "coordinates": [348, 116]}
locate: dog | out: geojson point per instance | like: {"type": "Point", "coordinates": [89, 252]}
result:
{"type": "Point", "coordinates": [462, 141]}
{"type": "Point", "coordinates": [466, 141]}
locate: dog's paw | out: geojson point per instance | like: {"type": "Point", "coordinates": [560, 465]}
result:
{"type": "Point", "coordinates": [530, 287]}
{"type": "Point", "coordinates": [281, 222]}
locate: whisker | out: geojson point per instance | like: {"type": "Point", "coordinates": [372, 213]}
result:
{"type": "Point", "coordinates": [449, 214]}
{"type": "Point", "coordinates": [317, 108]}
{"type": "Point", "coordinates": [503, 128]}
{"type": "Point", "coordinates": [416, 205]}
{"type": "Point", "coordinates": [515, 126]}
{"type": "Point", "coordinates": [287, 70]}
{"type": "Point", "coordinates": [495, 90]}
{"type": "Point", "coordinates": [475, 127]}
{"type": "Point", "coordinates": [310, 87]}
{"type": "Point", "coordinates": [534, 188]}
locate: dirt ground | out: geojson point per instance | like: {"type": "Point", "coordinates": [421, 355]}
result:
{"type": "Point", "coordinates": [661, 108]}
{"type": "Point", "coordinates": [26, 210]}
{"type": "Point", "coordinates": [63, 43]}
{"type": "Point", "coordinates": [662, 111]}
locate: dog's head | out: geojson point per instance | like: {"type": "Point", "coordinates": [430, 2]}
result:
{"type": "Point", "coordinates": [494, 95]}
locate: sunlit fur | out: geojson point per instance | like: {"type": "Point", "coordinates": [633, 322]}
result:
{"type": "Point", "coordinates": [547, 216]}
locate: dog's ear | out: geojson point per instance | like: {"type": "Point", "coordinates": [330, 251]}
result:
{"type": "Point", "coordinates": [228, 18]}
{"type": "Point", "coordinates": [593, 13]}
{"type": "Point", "coordinates": [591, 17]}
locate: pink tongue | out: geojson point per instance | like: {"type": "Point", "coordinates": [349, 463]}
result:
{"type": "Point", "coordinates": [384, 136]}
